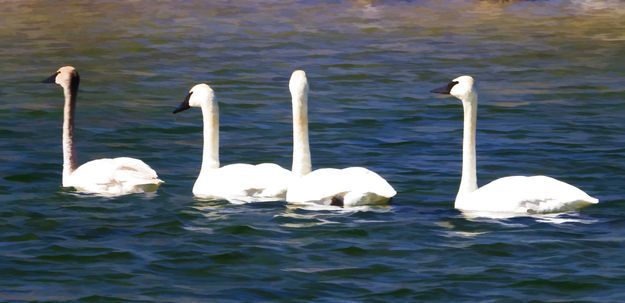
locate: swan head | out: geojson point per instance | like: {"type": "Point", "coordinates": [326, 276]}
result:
{"type": "Point", "coordinates": [199, 95]}
{"type": "Point", "coordinates": [298, 85]}
{"type": "Point", "coordinates": [461, 88]}
{"type": "Point", "coordinates": [66, 77]}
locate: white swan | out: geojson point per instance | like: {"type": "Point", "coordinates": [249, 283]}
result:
{"type": "Point", "coordinates": [353, 186]}
{"type": "Point", "coordinates": [110, 177]}
{"type": "Point", "coordinates": [515, 194]}
{"type": "Point", "coordinates": [237, 183]}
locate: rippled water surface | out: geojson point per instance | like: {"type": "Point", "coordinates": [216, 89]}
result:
{"type": "Point", "coordinates": [552, 101]}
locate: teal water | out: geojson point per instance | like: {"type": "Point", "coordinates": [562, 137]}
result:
{"type": "Point", "coordinates": [551, 76]}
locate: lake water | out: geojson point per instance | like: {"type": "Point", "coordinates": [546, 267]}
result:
{"type": "Point", "coordinates": [551, 76]}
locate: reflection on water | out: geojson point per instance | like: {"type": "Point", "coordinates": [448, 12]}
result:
{"type": "Point", "coordinates": [572, 217]}
{"type": "Point", "coordinates": [503, 217]}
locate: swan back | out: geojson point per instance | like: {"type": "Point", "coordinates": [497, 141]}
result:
{"type": "Point", "coordinates": [243, 183]}
{"type": "Point", "coordinates": [111, 177]}
{"type": "Point", "coordinates": [522, 194]}
{"type": "Point", "coordinates": [353, 186]}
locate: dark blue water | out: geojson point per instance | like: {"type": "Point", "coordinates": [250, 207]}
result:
{"type": "Point", "coordinates": [551, 76]}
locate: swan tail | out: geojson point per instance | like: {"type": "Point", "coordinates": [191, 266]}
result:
{"type": "Point", "coordinates": [135, 181]}
{"type": "Point", "coordinates": [554, 206]}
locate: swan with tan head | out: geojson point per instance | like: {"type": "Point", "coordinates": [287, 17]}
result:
{"type": "Point", "coordinates": [237, 183]}
{"type": "Point", "coordinates": [348, 187]}
{"type": "Point", "coordinates": [110, 177]}
{"type": "Point", "coordinates": [514, 194]}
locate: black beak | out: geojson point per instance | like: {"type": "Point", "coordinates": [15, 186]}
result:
{"type": "Point", "coordinates": [184, 105]}
{"type": "Point", "coordinates": [51, 79]}
{"type": "Point", "coordinates": [445, 89]}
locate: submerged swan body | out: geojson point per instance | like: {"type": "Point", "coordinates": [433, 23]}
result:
{"type": "Point", "coordinates": [353, 186]}
{"type": "Point", "coordinates": [109, 177]}
{"type": "Point", "coordinates": [237, 183]}
{"type": "Point", "coordinates": [515, 194]}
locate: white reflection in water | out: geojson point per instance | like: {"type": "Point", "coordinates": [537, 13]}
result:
{"type": "Point", "coordinates": [204, 230]}
{"type": "Point", "coordinates": [339, 210]}
{"type": "Point", "coordinates": [564, 218]}
{"type": "Point", "coordinates": [316, 215]}
{"type": "Point", "coordinates": [451, 233]}
{"type": "Point", "coordinates": [501, 217]}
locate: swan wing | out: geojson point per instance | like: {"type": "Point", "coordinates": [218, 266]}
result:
{"type": "Point", "coordinates": [347, 187]}
{"type": "Point", "coordinates": [115, 177]}
{"type": "Point", "coordinates": [522, 194]}
{"type": "Point", "coordinates": [318, 186]}
{"type": "Point", "coordinates": [243, 183]}
{"type": "Point", "coordinates": [273, 179]}
{"type": "Point", "coordinates": [134, 173]}
{"type": "Point", "coordinates": [365, 180]}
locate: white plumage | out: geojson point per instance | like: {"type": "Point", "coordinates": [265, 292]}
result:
{"type": "Point", "coordinates": [515, 194]}
{"type": "Point", "coordinates": [110, 177]}
{"type": "Point", "coordinates": [521, 194]}
{"type": "Point", "coordinates": [113, 177]}
{"type": "Point", "coordinates": [243, 183]}
{"type": "Point", "coordinates": [237, 183]}
{"type": "Point", "coordinates": [349, 187]}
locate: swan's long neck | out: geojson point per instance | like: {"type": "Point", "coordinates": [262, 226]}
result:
{"type": "Point", "coordinates": [69, 152]}
{"type": "Point", "coordinates": [468, 182]}
{"type": "Point", "coordinates": [301, 147]}
{"type": "Point", "coordinates": [210, 155]}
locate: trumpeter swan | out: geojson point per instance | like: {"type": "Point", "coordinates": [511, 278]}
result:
{"type": "Point", "coordinates": [353, 186]}
{"type": "Point", "coordinates": [108, 177]}
{"type": "Point", "coordinates": [237, 183]}
{"type": "Point", "coordinates": [515, 194]}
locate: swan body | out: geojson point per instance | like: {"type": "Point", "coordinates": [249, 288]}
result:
{"type": "Point", "coordinates": [243, 183]}
{"type": "Point", "coordinates": [236, 183]}
{"type": "Point", "coordinates": [109, 177]}
{"type": "Point", "coordinates": [514, 194]}
{"type": "Point", "coordinates": [348, 187]}
{"type": "Point", "coordinates": [521, 194]}
{"type": "Point", "coordinates": [113, 177]}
